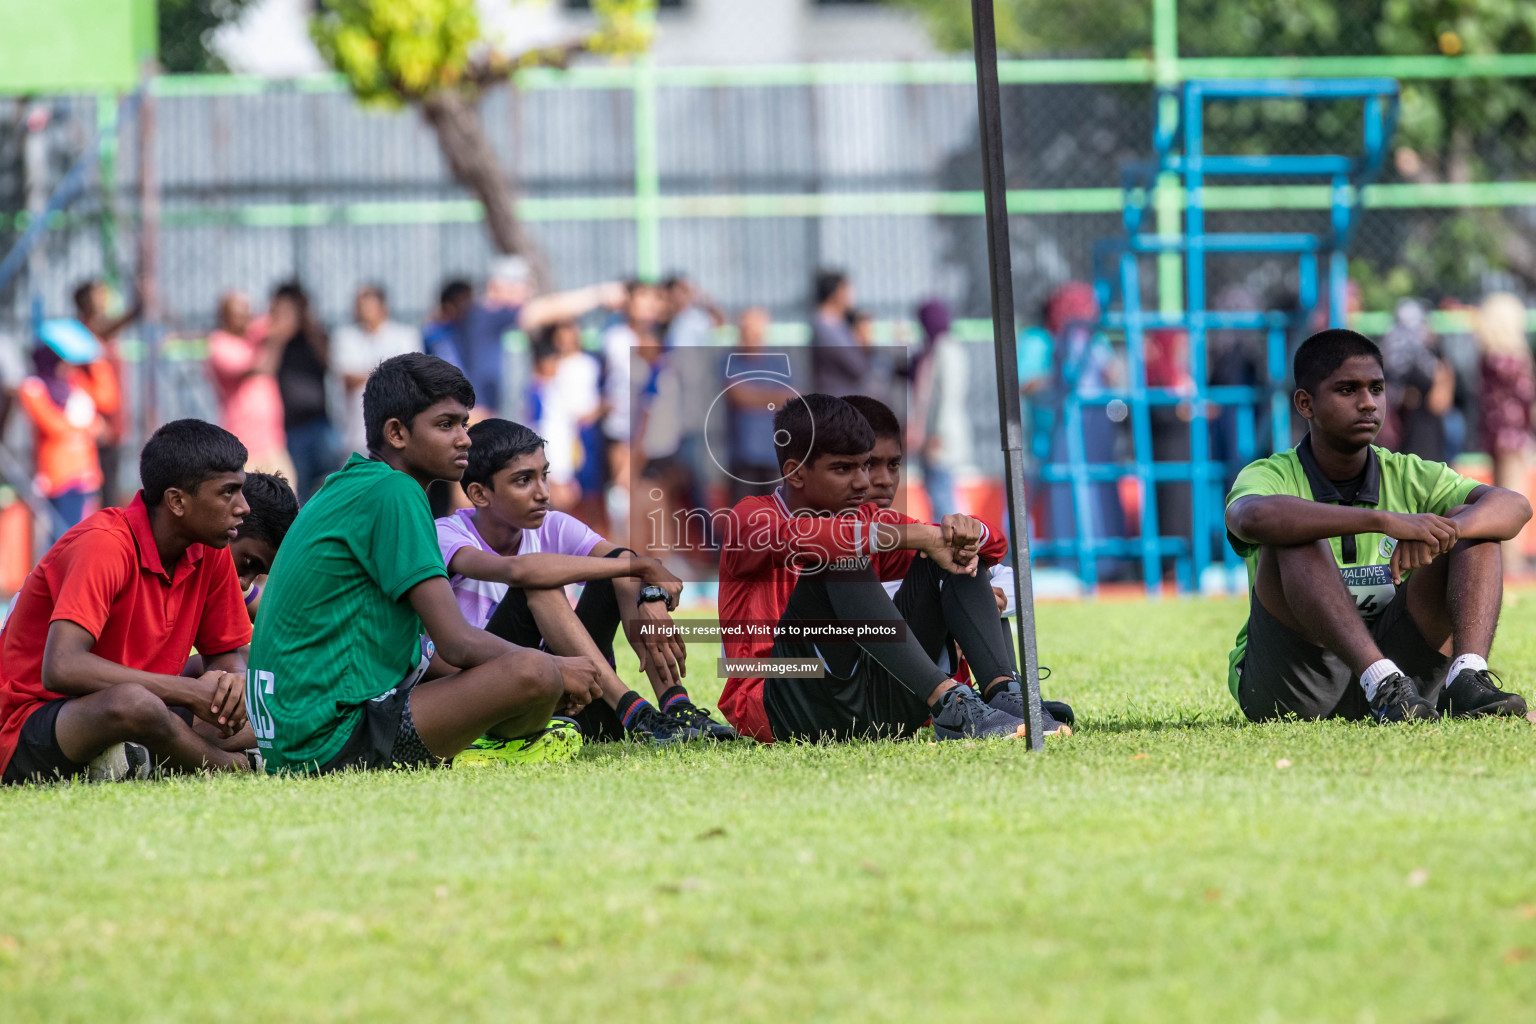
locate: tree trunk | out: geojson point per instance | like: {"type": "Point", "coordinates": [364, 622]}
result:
{"type": "Point", "coordinates": [461, 137]}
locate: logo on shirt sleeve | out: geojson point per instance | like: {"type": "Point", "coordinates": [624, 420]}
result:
{"type": "Point", "coordinates": [1388, 545]}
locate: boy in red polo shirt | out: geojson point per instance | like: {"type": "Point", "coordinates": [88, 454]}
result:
{"type": "Point", "coordinates": [884, 481]}
{"type": "Point", "coordinates": [813, 553]}
{"type": "Point", "coordinates": [91, 656]}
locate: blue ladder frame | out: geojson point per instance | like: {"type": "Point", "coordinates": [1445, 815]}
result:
{"type": "Point", "coordinates": [1179, 150]}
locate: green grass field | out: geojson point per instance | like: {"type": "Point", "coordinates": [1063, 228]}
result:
{"type": "Point", "coordinates": [1159, 865]}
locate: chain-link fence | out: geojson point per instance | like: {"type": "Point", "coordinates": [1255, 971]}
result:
{"type": "Point", "coordinates": [748, 179]}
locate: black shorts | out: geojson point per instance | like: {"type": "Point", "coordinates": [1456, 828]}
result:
{"type": "Point", "coordinates": [38, 757]}
{"type": "Point", "coordinates": [870, 703]}
{"type": "Point", "coordinates": [385, 738]}
{"type": "Point", "coordinates": [859, 697]}
{"type": "Point", "coordinates": [1282, 674]}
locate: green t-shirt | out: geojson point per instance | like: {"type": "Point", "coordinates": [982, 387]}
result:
{"type": "Point", "coordinates": [1393, 481]}
{"type": "Point", "coordinates": [335, 629]}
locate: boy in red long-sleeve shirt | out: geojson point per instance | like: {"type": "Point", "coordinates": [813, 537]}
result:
{"type": "Point", "coordinates": [813, 554]}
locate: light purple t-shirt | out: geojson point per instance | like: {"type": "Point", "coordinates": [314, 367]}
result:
{"type": "Point", "coordinates": [559, 534]}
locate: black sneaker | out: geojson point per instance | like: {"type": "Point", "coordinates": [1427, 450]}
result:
{"type": "Point", "coordinates": [651, 726]}
{"type": "Point", "coordinates": [961, 714]}
{"type": "Point", "coordinates": [1397, 700]}
{"type": "Point", "coordinates": [690, 714]}
{"type": "Point", "coordinates": [1054, 715]}
{"type": "Point", "coordinates": [1472, 694]}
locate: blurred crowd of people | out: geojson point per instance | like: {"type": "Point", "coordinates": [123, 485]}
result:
{"type": "Point", "coordinates": [1450, 395]}
{"type": "Point", "coordinates": [630, 397]}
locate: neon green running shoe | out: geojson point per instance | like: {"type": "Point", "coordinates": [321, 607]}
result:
{"type": "Point", "coordinates": [560, 740]}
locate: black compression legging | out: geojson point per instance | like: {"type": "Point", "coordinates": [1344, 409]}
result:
{"type": "Point", "coordinates": [935, 603]}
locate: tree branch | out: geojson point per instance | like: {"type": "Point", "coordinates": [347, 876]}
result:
{"type": "Point", "coordinates": [461, 137]}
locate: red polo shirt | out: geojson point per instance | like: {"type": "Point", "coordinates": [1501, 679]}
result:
{"type": "Point", "coordinates": [105, 576]}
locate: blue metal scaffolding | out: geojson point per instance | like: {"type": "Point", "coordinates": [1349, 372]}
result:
{"type": "Point", "coordinates": [1179, 156]}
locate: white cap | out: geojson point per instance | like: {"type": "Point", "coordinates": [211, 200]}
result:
{"type": "Point", "coordinates": [510, 268]}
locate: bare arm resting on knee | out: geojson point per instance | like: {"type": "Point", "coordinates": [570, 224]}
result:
{"type": "Point", "coordinates": [1491, 513]}
{"type": "Point", "coordinates": [464, 647]}
{"type": "Point", "coordinates": [1281, 520]}
{"type": "Point", "coordinates": [458, 643]}
{"type": "Point", "coordinates": [70, 667]}
{"type": "Point", "coordinates": [540, 571]}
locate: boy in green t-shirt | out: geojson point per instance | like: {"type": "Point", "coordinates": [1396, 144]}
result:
{"type": "Point", "coordinates": [1376, 577]}
{"type": "Point", "coordinates": [341, 674]}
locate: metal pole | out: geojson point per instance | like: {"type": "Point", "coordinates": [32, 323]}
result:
{"type": "Point", "coordinates": [1165, 54]}
{"type": "Point", "coordinates": [1005, 345]}
{"type": "Point", "coordinates": [148, 270]}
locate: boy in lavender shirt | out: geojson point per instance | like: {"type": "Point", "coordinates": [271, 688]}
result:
{"type": "Point", "coordinates": [509, 558]}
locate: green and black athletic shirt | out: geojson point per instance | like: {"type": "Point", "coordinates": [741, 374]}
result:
{"type": "Point", "coordinates": [1392, 481]}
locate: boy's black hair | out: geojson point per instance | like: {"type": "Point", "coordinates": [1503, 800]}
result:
{"type": "Point", "coordinates": [827, 283]}
{"type": "Point", "coordinates": [403, 387]}
{"type": "Point", "coordinates": [880, 417]}
{"type": "Point", "coordinates": [185, 454]}
{"type": "Point", "coordinates": [493, 444]}
{"type": "Point", "coordinates": [273, 508]}
{"type": "Point", "coordinates": [818, 425]}
{"type": "Point", "coordinates": [1325, 352]}
{"type": "Point", "coordinates": [455, 290]}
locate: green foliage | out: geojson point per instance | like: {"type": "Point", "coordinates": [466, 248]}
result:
{"type": "Point", "coordinates": [1466, 129]}
{"type": "Point", "coordinates": [1435, 258]}
{"type": "Point", "coordinates": [395, 52]}
{"type": "Point", "coordinates": [185, 28]}
{"type": "Point", "coordinates": [1168, 863]}
{"type": "Point", "coordinates": [392, 51]}
{"type": "Point", "coordinates": [1089, 28]}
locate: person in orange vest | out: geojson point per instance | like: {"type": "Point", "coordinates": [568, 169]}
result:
{"type": "Point", "coordinates": [67, 398]}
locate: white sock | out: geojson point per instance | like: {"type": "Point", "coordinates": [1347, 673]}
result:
{"type": "Point", "coordinates": [1372, 677]}
{"type": "Point", "coordinates": [1461, 664]}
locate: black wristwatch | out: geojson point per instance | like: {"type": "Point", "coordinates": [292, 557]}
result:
{"type": "Point", "coordinates": [651, 592]}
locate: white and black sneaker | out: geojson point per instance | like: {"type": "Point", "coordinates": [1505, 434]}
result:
{"type": "Point", "coordinates": [121, 762]}
{"type": "Point", "coordinates": [960, 715]}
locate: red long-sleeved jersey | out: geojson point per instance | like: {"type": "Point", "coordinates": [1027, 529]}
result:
{"type": "Point", "coordinates": [765, 550]}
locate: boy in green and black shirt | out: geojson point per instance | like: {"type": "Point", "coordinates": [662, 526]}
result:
{"type": "Point", "coordinates": [341, 673]}
{"type": "Point", "coordinates": [1375, 576]}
